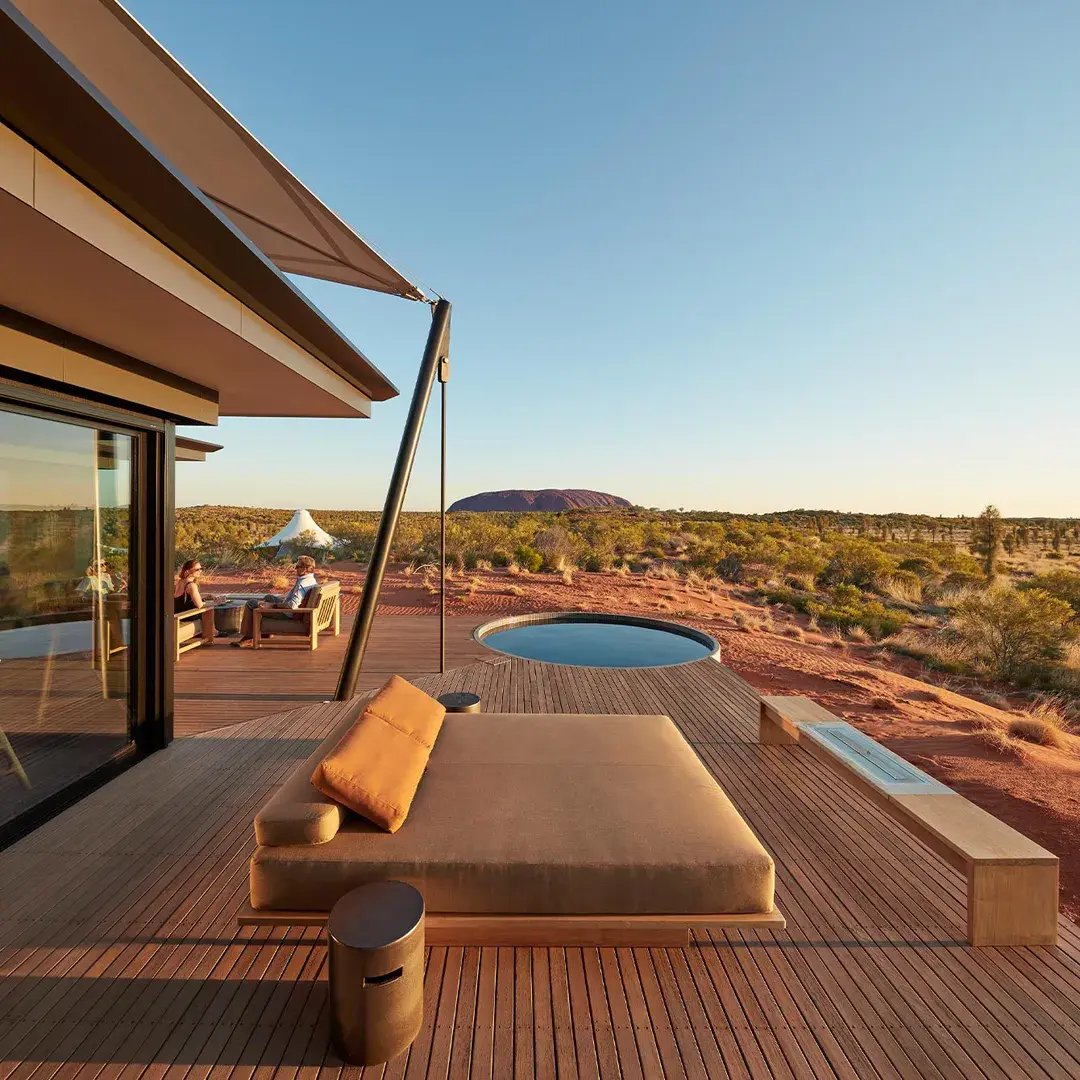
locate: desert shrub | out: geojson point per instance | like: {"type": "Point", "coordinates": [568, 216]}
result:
{"type": "Point", "coordinates": [730, 568]}
{"type": "Point", "coordinates": [961, 580]}
{"type": "Point", "coordinates": [856, 562]}
{"type": "Point", "coordinates": [1053, 713]}
{"type": "Point", "coordinates": [858, 632]}
{"type": "Point", "coordinates": [594, 564]}
{"type": "Point", "coordinates": [939, 650]}
{"type": "Point", "coordinates": [793, 632]}
{"type": "Point", "coordinates": [1034, 729]}
{"type": "Point", "coordinates": [847, 607]}
{"type": "Point", "coordinates": [750, 622]}
{"type": "Point", "coordinates": [1063, 584]}
{"type": "Point", "coordinates": [556, 546]}
{"type": "Point", "coordinates": [797, 599]}
{"type": "Point", "coordinates": [501, 558]}
{"type": "Point", "coordinates": [903, 586]}
{"type": "Point", "coordinates": [924, 568]}
{"type": "Point", "coordinates": [996, 736]}
{"type": "Point", "coordinates": [1010, 631]}
{"type": "Point", "coordinates": [528, 558]}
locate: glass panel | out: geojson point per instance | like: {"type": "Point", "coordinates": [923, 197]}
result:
{"type": "Point", "coordinates": [66, 592]}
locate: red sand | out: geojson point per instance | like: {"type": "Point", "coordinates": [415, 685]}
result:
{"type": "Point", "coordinates": [1035, 789]}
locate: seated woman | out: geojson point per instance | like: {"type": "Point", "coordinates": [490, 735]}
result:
{"type": "Point", "coordinates": [186, 595]}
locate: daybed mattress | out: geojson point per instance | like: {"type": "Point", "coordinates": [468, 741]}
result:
{"type": "Point", "coordinates": [530, 814]}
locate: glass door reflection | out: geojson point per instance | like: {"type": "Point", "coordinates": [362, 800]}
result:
{"type": "Point", "coordinates": [66, 592]}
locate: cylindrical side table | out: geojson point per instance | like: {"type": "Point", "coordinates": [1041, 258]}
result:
{"type": "Point", "coordinates": [375, 935]}
{"type": "Point", "coordinates": [460, 701]}
{"type": "Point", "coordinates": [227, 618]}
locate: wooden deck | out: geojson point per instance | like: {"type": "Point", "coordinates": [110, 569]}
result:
{"type": "Point", "coordinates": [120, 954]}
{"type": "Point", "coordinates": [222, 685]}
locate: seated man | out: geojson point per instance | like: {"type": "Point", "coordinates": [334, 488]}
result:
{"type": "Point", "coordinates": [294, 598]}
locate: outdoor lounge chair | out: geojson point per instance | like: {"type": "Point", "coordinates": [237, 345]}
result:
{"type": "Point", "coordinates": [194, 628]}
{"type": "Point", "coordinates": [321, 612]}
{"type": "Point", "coordinates": [530, 830]}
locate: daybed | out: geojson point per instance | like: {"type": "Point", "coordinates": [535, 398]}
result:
{"type": "Point", "coordinates": [530, 829]}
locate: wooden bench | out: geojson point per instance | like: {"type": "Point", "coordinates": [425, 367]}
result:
{"type": "Point", "coordinates": [1012, 882]}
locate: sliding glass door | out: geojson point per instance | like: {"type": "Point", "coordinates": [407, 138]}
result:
{"type": "Point", "coordinates": [69, 603]}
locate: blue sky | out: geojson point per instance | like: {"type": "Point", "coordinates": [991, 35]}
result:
{"type": "Point", "coordinates": [731, 256]}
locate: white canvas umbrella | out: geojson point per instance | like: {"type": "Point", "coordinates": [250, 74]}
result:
{"type": "Point", "coordinates": [301, 527]}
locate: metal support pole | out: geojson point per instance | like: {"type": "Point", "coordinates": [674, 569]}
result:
{"type": "Point", "coordinates": [438, 346]}
{"type": "Point", "coordinates": [444, 377]}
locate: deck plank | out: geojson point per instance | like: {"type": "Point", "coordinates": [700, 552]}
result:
{"type": "Point", "coordinates": [120, 956]}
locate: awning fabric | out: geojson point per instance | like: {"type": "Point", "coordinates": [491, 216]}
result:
{"type": "Point", "coordinates": [292, 227]}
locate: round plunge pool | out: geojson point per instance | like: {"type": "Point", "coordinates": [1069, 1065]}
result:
{"type": "Point", "coordinates": [588, 639]}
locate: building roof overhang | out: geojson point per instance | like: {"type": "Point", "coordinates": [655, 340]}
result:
{"type": "Point", "coordinates": [50, 103]}
{"type": "Point", "coordinates": [188, 449]}
{"type": "Point", "coordinates": [198, 135]}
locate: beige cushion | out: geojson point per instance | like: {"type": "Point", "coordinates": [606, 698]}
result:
{"type": "Point", "coordinates": [297, 813]}
{"type": "Point", "coordinates": [288, 624]}
{"type": "Point", "coordinates": [545, 815]}
{"type": "Point", "coordinates": [285, 624]}
{"type": "Point", "coordinates": [185, 629]}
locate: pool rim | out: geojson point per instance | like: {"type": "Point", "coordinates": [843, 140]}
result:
{"type": "Point", "coordinates": [509, 622]}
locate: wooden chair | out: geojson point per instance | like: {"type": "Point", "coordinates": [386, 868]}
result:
{"type": "Point", "coordinates": [194, 628]}
{"type": "Point", "coordinates": [321, 612]}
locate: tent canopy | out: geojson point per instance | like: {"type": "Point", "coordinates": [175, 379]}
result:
{"type": "Point", "coordinates": [302, 525]}
{"type": "Point", "coordinates": [163, 101]}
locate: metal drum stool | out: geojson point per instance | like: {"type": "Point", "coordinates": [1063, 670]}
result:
{"type": "Point", "coordinates": [460, 702]}
{"type": "Point", "coordinates": [375, 935]}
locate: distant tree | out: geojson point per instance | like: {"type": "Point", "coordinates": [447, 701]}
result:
{"type": "Point", "coordinates": [986, 540]}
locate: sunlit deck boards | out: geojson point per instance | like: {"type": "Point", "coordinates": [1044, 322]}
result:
{"type": "Point", "coordinates": [222, 685]}
{"type": "Point", "coordinates": [121, 956]}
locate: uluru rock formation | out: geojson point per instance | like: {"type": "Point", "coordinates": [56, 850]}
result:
{"type": "Point", "coordinates": [552, 499]}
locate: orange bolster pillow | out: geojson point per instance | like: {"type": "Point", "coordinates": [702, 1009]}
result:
{"type": "Point", "coordinates": [376, 767]}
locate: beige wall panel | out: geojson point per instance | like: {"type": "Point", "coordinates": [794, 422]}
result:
{"type": "Point", "coordinates": [31, 354]}
{"type": "Point", "coordinates": [16, 165]}
{"type": "Point", "coordinates": [49, 360]}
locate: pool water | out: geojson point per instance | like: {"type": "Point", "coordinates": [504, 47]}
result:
{"type": "Point", "coordinates": [584, 643]}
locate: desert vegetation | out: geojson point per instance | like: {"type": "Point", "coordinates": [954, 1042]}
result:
{"type": "Point", "coordinates": [986, 597]}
